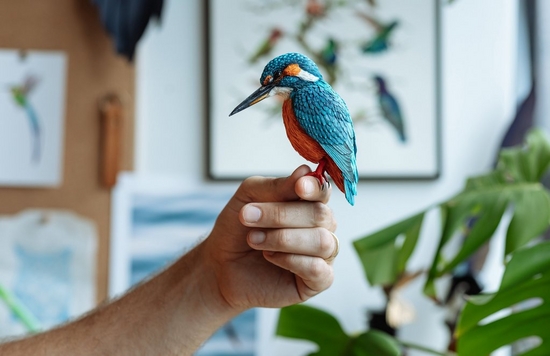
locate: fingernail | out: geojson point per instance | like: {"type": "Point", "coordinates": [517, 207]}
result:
{"type": "Point", "coordinates": [308, 186]}
{"type": "Point", "coordinates": [252, 214]}
{"type": "Point", "coordinates": [257, 237]}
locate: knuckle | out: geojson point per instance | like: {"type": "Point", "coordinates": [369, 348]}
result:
{"type": "Point", "coordinates": [326, 241]}
{"type": "Point", "coordinates": [284, 239]}
{"type": "Point", "coordinates": [249, 182]}
{"type": "Point", "coordinates": [322, 214]}
{"type": "Point", "coordinates": [279, 214]}
{"type": "Point", "coordinates": [317, 268]}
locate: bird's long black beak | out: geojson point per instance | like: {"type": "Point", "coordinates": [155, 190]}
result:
{"type": "Point", "coordinates": [254, 98]}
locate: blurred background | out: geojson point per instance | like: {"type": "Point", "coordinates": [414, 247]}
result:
{"type": "Point", "coordinates": [128, 171]}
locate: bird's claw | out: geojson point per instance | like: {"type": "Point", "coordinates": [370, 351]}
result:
{"type": "Point", "coordinates": [322, 179]}
{"type": "Point", "coordinates": [327, 181]}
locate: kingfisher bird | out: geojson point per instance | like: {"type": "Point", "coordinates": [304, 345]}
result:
{"type": "Point", "coordinates": [20, 96]}
{"type": "Point", "coordinates": [317, 120]}
{"type": "Point", "coordinates": [390, 108]}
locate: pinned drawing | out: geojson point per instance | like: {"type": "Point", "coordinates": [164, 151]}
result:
{"type": "Point", "coordinates": [32, 103]}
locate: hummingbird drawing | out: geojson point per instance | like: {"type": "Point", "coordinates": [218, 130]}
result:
{"type": "Point", "coordinates": [267, 45]}
{"type": "Point", "coordinates": [389, 106]}
{"type": "Point", "coordinates": [329, 52]}
{"type": "Point", "coordinates": [20, 94]}
{"type": "Point", "coordinates": [380, 41]}
{"type": "Point", "coordinates": [317, 120]}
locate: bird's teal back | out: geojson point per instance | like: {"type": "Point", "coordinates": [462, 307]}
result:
{"type": "Point", "coordinates": [325, 117]}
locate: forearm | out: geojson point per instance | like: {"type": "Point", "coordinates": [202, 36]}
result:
{"type": "Point", "coordinates": [170, 314]}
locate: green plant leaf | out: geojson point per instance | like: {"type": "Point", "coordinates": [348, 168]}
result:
{"type": "Point", "coordinates": [374, 343]}
{"type": "Point", "coordinates": [531, 217]}
{"type": "Point", "coordinates": [527, 277]}
{"type": "Point", "coordinates": [307, 323]}
{"type": "Point", "coordinates": [304, 322]}
{"type": "Point", "coordinates": [383, 256]}
{"type": "Point", "coordinates": [526, 263]}
{"type": "Point", "coordinates": [527, 164]}
{"type": "Point", "coordinates": [515, 183]}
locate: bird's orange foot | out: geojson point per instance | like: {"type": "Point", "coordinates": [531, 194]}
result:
{"type": "Point", "coordinates": [320, 174]}
{"type": "Point", "coordinates": [321, 178]}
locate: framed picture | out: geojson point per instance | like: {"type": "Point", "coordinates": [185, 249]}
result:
{"type": "Point", "coordinates": [381, 56]}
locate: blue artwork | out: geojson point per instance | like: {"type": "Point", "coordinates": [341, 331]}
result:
{"type": "Point", "coordinates": [43, 284]}
{"type": "Point", "coordinates": [165, 226]}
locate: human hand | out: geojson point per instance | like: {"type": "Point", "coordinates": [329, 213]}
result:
{"type": "Point", "coordinates": [293, 262]}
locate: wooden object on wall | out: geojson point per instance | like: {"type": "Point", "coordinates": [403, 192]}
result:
{"type": "Point", "coordinates": [73, 26]}
{"type": "Point", "coordinates": [111, 113]}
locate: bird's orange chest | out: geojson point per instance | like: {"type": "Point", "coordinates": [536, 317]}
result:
{"type": "Point", "coordinates": [306, 146]}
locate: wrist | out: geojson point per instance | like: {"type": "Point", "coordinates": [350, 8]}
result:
{"type": "Point", "coordinates": [198, 282]}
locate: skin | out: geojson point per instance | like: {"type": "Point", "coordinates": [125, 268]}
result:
{"type": "Point", "coordinates": [269, 248]}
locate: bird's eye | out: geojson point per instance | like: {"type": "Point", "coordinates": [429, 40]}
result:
{"type": "Point", "coordinates": [268, 80]}
{"type": "Point", "coordinates": [278, 74]}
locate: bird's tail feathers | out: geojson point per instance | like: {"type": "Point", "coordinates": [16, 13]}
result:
{"type": "Point", "coordinates": [348, 187]}
{"type": "Point", "coordinates": [351, 191]}
{"type": "Point", "coordinates": [402, 136]}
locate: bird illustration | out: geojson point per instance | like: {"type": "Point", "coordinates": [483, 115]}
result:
{"type": "Point", "coordinates": [267, 45]}
{"type": "Point", "coordinates": [315, 9]}
{"type": "Point", "coordinates": [20, 95]}
{"type": "Point", "coordinates": [316, 118]}
{"type": "Point", "coordinates": [390, 107]}
{"type": "Point", "coordinates": [380, 42]}
{"type": "Point", "coordinates": [329, 52]}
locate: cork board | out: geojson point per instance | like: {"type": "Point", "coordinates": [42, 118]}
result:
{"type": "Point", "coordinates": [94, 70]}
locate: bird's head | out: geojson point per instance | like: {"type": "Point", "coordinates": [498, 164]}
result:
{"type": "Point", "coordinates": [290, 71]}
{"type": "Point", "coordinates": [380, 82]}
{"type": "Point", "coordinates": [392, 25]}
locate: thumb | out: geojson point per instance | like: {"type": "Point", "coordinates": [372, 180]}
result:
{"type": "Point", "coordinates": [262, 189]}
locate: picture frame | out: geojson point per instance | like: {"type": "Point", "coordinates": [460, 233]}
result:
{"type": "Point", "coordinates": [381, 56]}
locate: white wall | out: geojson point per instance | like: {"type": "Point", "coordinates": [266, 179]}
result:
{"type": "Point", "coordinates": [478, 54]}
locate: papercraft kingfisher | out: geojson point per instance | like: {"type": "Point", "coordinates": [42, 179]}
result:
{"type": "Point", "coordinates": [390, 108]}
{"type": "Point", "coordinates": [316, 118]}
{"type": "Point", "coordinates": [20, 96]}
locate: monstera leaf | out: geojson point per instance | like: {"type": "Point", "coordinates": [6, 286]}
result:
{"type": "Point", "coordinates": [384, 254]}
{"type": "Point", "coordinates": [474, 213]}
{"type": "Point", "coordinates": [526, 279]}
{"type": "Point", "coordinates": [308, 323]}
{"type": "Point", "coordinates": [514, 185]}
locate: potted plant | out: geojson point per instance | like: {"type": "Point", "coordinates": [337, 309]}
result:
{"type": "Point", "coordinates": [514, 187]}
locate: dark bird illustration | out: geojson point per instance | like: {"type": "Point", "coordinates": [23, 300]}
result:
{"type": "Point", "coordinates": [391, 111]}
